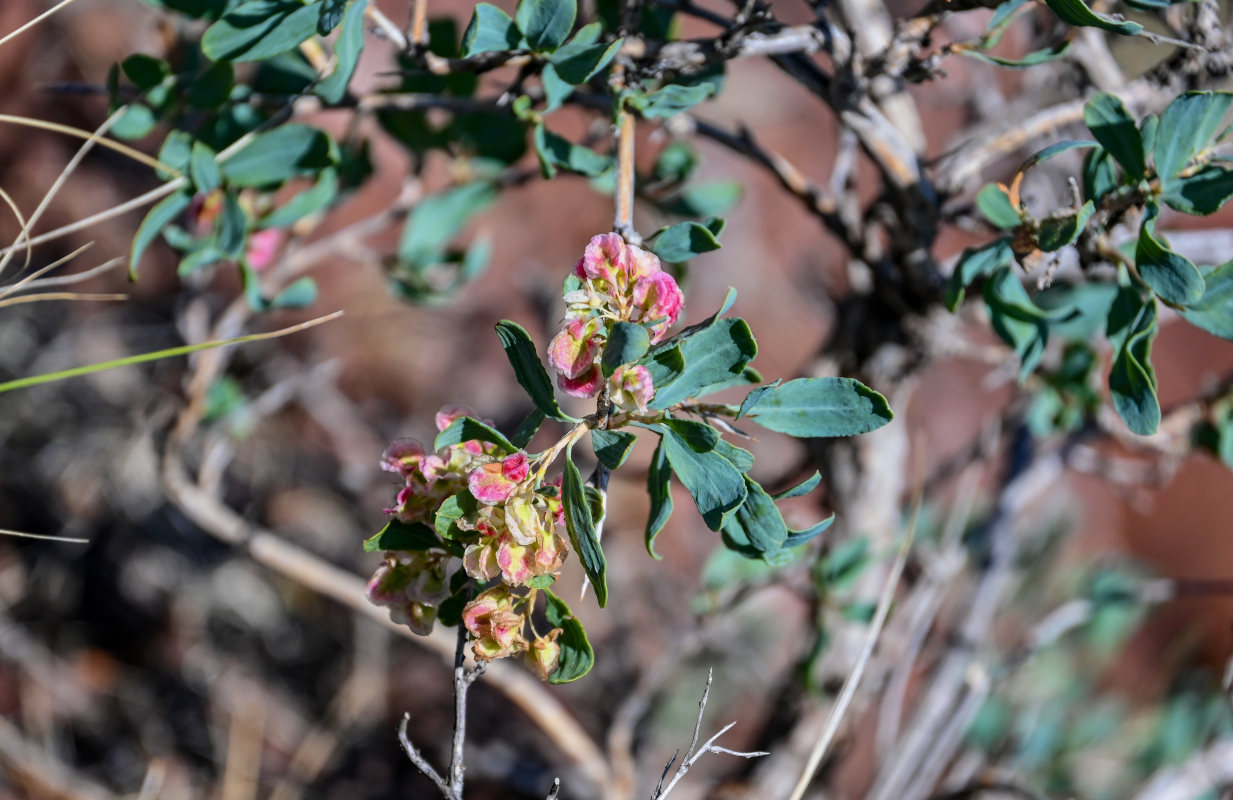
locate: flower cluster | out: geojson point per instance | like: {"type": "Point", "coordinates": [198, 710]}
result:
{"type": "Point", "coordinates": [505, 532]}
{"type": "Point", "coordinates": [613, 282]}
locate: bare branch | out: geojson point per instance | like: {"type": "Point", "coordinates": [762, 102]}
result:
{"type": "Point", "coordinates": [421, 763]}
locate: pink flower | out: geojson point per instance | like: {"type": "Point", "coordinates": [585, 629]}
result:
{"type": "Point", "coordinates": [494, 623]}
{"type": "Point", "coordinates": [402, 456]}
{"type": "Point", "coordinates": [446, 416]}
{"type": "Point", "coordinates": [632, 387]}
{"type": "Point", "coordinates": [604, 259]}
{"type": "Point", "coordinates": [263, 247]}
{"type": "Point", "coordinates": [661, 302]}
{"type": "Point", "coordinates": [585, 385]}
{"type": "Point", "coordinates": [515, 468]}
{"type": "Point", "coordinates": [489, 485]}
{"type": "Point", "coordinates": [572, 351]}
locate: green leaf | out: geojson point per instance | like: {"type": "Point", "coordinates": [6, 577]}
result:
{"type": "Point", "coordinates": [176, 152]}
{"type": "Point", "coordinates": [738, 457]}
{"type": "Point", "coordinates": [277, 155]}
{"type": "Point", "coordinates": [1171, 275]}
{"type": "Point", "coordinates": [1202, 193]}
{"type": "Point", "coordinates": [1042, 56]}
{"type": "Point", "coordinates": [546, 23]}
{"type": "Point", "coordinates": [975, 263]}
{"type": "Point", "coordinates": [403, 536]}
{"type": "Point", "coordinates": [798, 538]}
{"type": "Point", "coordinates": [347, 48]}
{"type": "Point", "coordinates": [557, 152]}
{"type": "Point", "coordinates": [577, 656]}
{"type": "Point", "coordinates": [1111, 124]}
{"type": "Point", "coordinates": [1099, 174]}
{"type": "Point", "coordinates": [556, 90]}
{"type": "Point", "coordinates": [453, 509]}
{"type": "Point", "coordinates": [302, 293]}
{"type": "Point", "coordinates": [670, 100]}
{"type": "Point", "coordinates": [542, 581]}
{"type": "Point", "coordinates": [1056, 232]}
{"type": "Point", "coordinates": [814, 407]}
{"type": "Point", "coordinates": [145, 71]}
{"type": "Point", "coordinates": [490, 30]}
{"type": "Point", "coordinates": [706, 199]}
{"type": "Point", "coordinates": [231, 233]}
{"type": "Point", "coordinates": [212, 87]}
{"type": "Point", "coordinates": [664, 365]}
{"type": "Point", "coordinates": [1077, 13]}
{"type": "Point", "coordinates": [581, 528]}
{"type": "Point", "coordinates": [712, 356]}
{"type": "Point", "coordinates": [159, 217]}
{"type": "Point", "coordinates": [528, 369]}
{"type": "Point", "coordinates": [801, 489]}
{"type": "Point", "coordinates": [1016, 319]}
{"type": "Point", "coordinates": [1148, 129]}
{"type": "Point", "coordinates": [259, 29]}
{"type": "Point", "coordinates": [612, 447]}
{"type": "Point", "coordinates": [1056, 150]}
{"type": "Point", "coordinates": [135, 122]}
{"type": "Point", "coordinates": [527, 429]}
{"type": "Point", "coordinates": [1186, 128]}
{"type": "Point", "coordinates": [436, 219]}
{"type": "Point", "coordinates": [675, 163]}
{"type": "Point", "coordinates": [203, 168]}
{"type": "Point", "coordinates": [995, 204]}
{"type": "Point", "coordinates": [466, 429]}
{"type": "Point", "coordinates": [716, 486]}
{"type": "Point", "coordinates": [757, 528]}
{"type": "Point", "coordinates": [1214, 311]}
{"type": "Point", "coordinates": [627, 342]}
{"type": "Point", "coordinates": [683, 241]}
{"type": "Point", "coordinates": [698, 435]}
{"type": "Point", "coordinates": [331, 16]}
{"type": "Point", "coordinates": [657, 484]}
{"type": "Point", "coordinates": [581, 60]}
{"type": "Point", "coordinates": [310, 201]}
{"type": "Point", "coordinates": [1132, 381]}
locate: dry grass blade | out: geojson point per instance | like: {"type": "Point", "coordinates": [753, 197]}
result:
{"type": "Point", "coordinates": [854, 678]}
{"type": "Point", "coordinates": [29, 280]}
{"type": "Point", "coordinates": [46, 536]}
{"type": "Point", "coordinates": [21, 221]}
{"type": "Point", "coordinates": [23, 28]}
{"type": "Point", "coordinates": [76, 296]}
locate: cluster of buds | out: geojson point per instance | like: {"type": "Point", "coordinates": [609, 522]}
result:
{"type": "Point", "coordinates": [508, 534]}
{"type": "Point", "coordinates": [613, 282]}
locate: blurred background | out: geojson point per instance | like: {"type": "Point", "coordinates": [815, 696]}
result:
{"type": "Point", "coordinates": [163, 659]}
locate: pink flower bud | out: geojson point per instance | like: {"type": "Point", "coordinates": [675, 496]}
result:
{"type": "Point", "coordinates": [661, 302]}
{"type": "Point", "coordinates": [544, 654]}
{"type": "Point", "coordinates": [402, 456]}
{"type": "Point", "coordinates": [263, 247]}
{"type": "Point", "coordinates": [585, 385]}
{"type": "Point", "coordinates": [494, 623]}
{"type": "Point", "coordinates": [631, 387]}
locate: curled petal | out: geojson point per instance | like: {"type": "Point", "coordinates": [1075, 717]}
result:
{"type": "Point", "coordinates": [448, 414]}
{"type": "Point", "coordinates": [416, 616]}
{"type": "Point", "coordinates": [585, 385]}
{"type": "Point", "coordinates": [522, 520]}
{"type": "Point", "coordinates": [661, 302]}
{"type": "Point", "coordinates": [388, 585]}
{"type": "Point", "coordinates": [604, 258]}
{"type": "Point", "coordinates": [489, 485]}
{"type": "Point", "coordinates": [480, 562]}
{"type": "Point", "coordinates": [642, 263]}
{"type": "Point", "coordinates": [402, 456]}
{"type": "Point", "coordinates": [514, 467]}
{"type": "Point", "coordinates": [515, 562]}
{"type": "Point", "coordinates": [572, 351]}
{"type": "Point", "coordinates": [632, 386]}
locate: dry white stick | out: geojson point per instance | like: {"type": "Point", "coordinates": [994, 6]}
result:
{"type": "Point", "coordinates": [694, 753]}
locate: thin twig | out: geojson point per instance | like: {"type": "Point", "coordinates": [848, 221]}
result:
{"type": "Point", "coordinates": [694, 752]}
{"type": "Point", "coordinates": [421, 763]}
{"type": "Point", "coordinates": [853, 681]}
